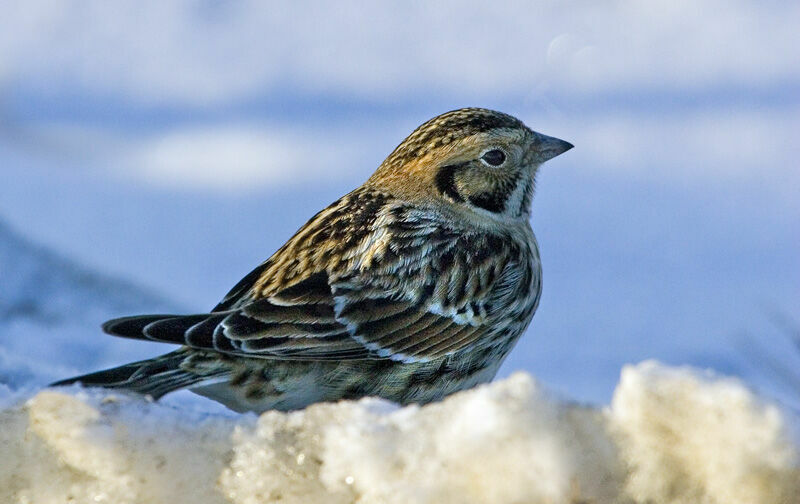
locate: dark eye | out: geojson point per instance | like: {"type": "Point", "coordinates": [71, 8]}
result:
{"type": "Point", "coordinates": [494, 157]}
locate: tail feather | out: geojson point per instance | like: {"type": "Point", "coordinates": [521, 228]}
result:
{"type": "Point", "coordinates": [136, 327]}
{"type": "Point", "coordinates": [179, 329]}
{"type": "Point", "coordinates": [152, 377]}
{"type": "Point", "coordinates": [131, 327]}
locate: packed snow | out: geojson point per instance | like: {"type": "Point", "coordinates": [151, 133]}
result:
{"type": "Point", "coordinates": [671, 435]}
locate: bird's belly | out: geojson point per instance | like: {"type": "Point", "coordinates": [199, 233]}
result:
{"type": "Point", "coordinates": [263, 385]}
{"type": "Point", "coordinates": [297, 395]}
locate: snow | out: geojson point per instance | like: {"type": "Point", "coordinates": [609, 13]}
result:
{"type": "Point", "coordinates": [51, 309]}
{"type": "Point", "coordinates": [670, 435]}
{"type": "Point", "coordinates": [196, 55]}
{"type": "Point", "coordinates": [690, 436]}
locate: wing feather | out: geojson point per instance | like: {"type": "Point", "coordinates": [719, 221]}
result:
{"type": "Point", "coordinates": [413, 332]}
{"type": "Point", "coordinates": [467, 334]}
{"type": "Point", "coordinates": [442, 328]}
{"type": "Point", "coordinates": [422, 292]}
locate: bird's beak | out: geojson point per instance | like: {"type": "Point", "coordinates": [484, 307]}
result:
{"type": "Point", "coordinates": [547, 147]}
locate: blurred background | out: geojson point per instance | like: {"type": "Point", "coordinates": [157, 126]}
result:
{"type": "Point", "coordinates": [152, 153]}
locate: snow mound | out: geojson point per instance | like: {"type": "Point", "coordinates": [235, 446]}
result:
{"type": "Point", "coordinates": [689, 436]}
{"type": "Point", "coordinates": [669, 436]}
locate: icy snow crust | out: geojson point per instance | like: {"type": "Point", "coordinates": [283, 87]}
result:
{"type": "Point", "coordinates": [669, 436]}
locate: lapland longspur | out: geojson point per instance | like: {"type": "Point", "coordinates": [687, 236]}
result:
{"type": "Point", "coordinates": [411, 287]}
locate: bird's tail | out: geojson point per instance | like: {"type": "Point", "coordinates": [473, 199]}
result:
{"type": "Point", "coordinates": [152, 377]}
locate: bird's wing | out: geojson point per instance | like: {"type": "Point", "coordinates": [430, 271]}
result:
{"type": "Point", "coordinates": [328, 239]}
{"type": "Point", "coordinates": [415, 293]}
{"type": "Point", "coordinates": [296, 323]}
{"type": "Point", "coordinates": [360, 317]}
{"type": "Point", "coordinates": [455, 299]}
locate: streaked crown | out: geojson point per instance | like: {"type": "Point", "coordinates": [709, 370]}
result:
{"type": "Point", "coordinates": [473, 160]}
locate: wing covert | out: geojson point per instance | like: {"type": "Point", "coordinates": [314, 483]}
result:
{"type": "Point", "coordinates": [404, 288]}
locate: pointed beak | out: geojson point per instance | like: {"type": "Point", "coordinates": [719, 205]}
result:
{"type": "Point", "coordinates": [547, 147]}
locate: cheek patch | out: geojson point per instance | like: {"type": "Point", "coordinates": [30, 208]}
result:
{"type": "Point", "coordinates": [446, 181]}
{"type": "Point", "coordinates": [497, 189]}
{"type": "Point", "coordinates": [491, 201]}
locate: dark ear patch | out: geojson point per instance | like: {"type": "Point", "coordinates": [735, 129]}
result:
{"type": "Point", "coordinates": [446, 181]}
{"type": "Point", "coordinates": [491, 201]}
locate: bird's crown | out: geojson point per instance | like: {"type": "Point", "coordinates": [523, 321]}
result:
{"type": "Point", "coordinates": [448, 128]}
{"type": "Point", "coordinates": [473, 161]}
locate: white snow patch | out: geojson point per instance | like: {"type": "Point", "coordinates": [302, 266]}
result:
{"type": "Point", "coordinates": [51, 309]}
{"type": "Point", "coordinates": [201, 54]}
{"type": "Point", "coordinates": [670, 435]}
{"type": "Point", "coordinates": [220, 157]}
{"type": "Point", "coordinates": [689, 436]}
{"type": "Point", "coordinates": [724, 146]}
{"type": "Point", "coordinates": [237, 157]}
{"type": "Point", "coordinates": [717, 145]}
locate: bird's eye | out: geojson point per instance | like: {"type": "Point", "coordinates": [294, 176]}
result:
{"type": "Point", "coordinates": [494, 157]}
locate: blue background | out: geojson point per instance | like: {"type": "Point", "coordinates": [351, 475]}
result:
{"type": "Point", "coordinates": [178, 144]}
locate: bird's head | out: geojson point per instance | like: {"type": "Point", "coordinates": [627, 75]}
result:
{"type": "Point", "coordinates": [471, 160]}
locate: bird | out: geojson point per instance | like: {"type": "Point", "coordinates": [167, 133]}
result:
{"type": "Point", "coordinates": [413, 286]}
